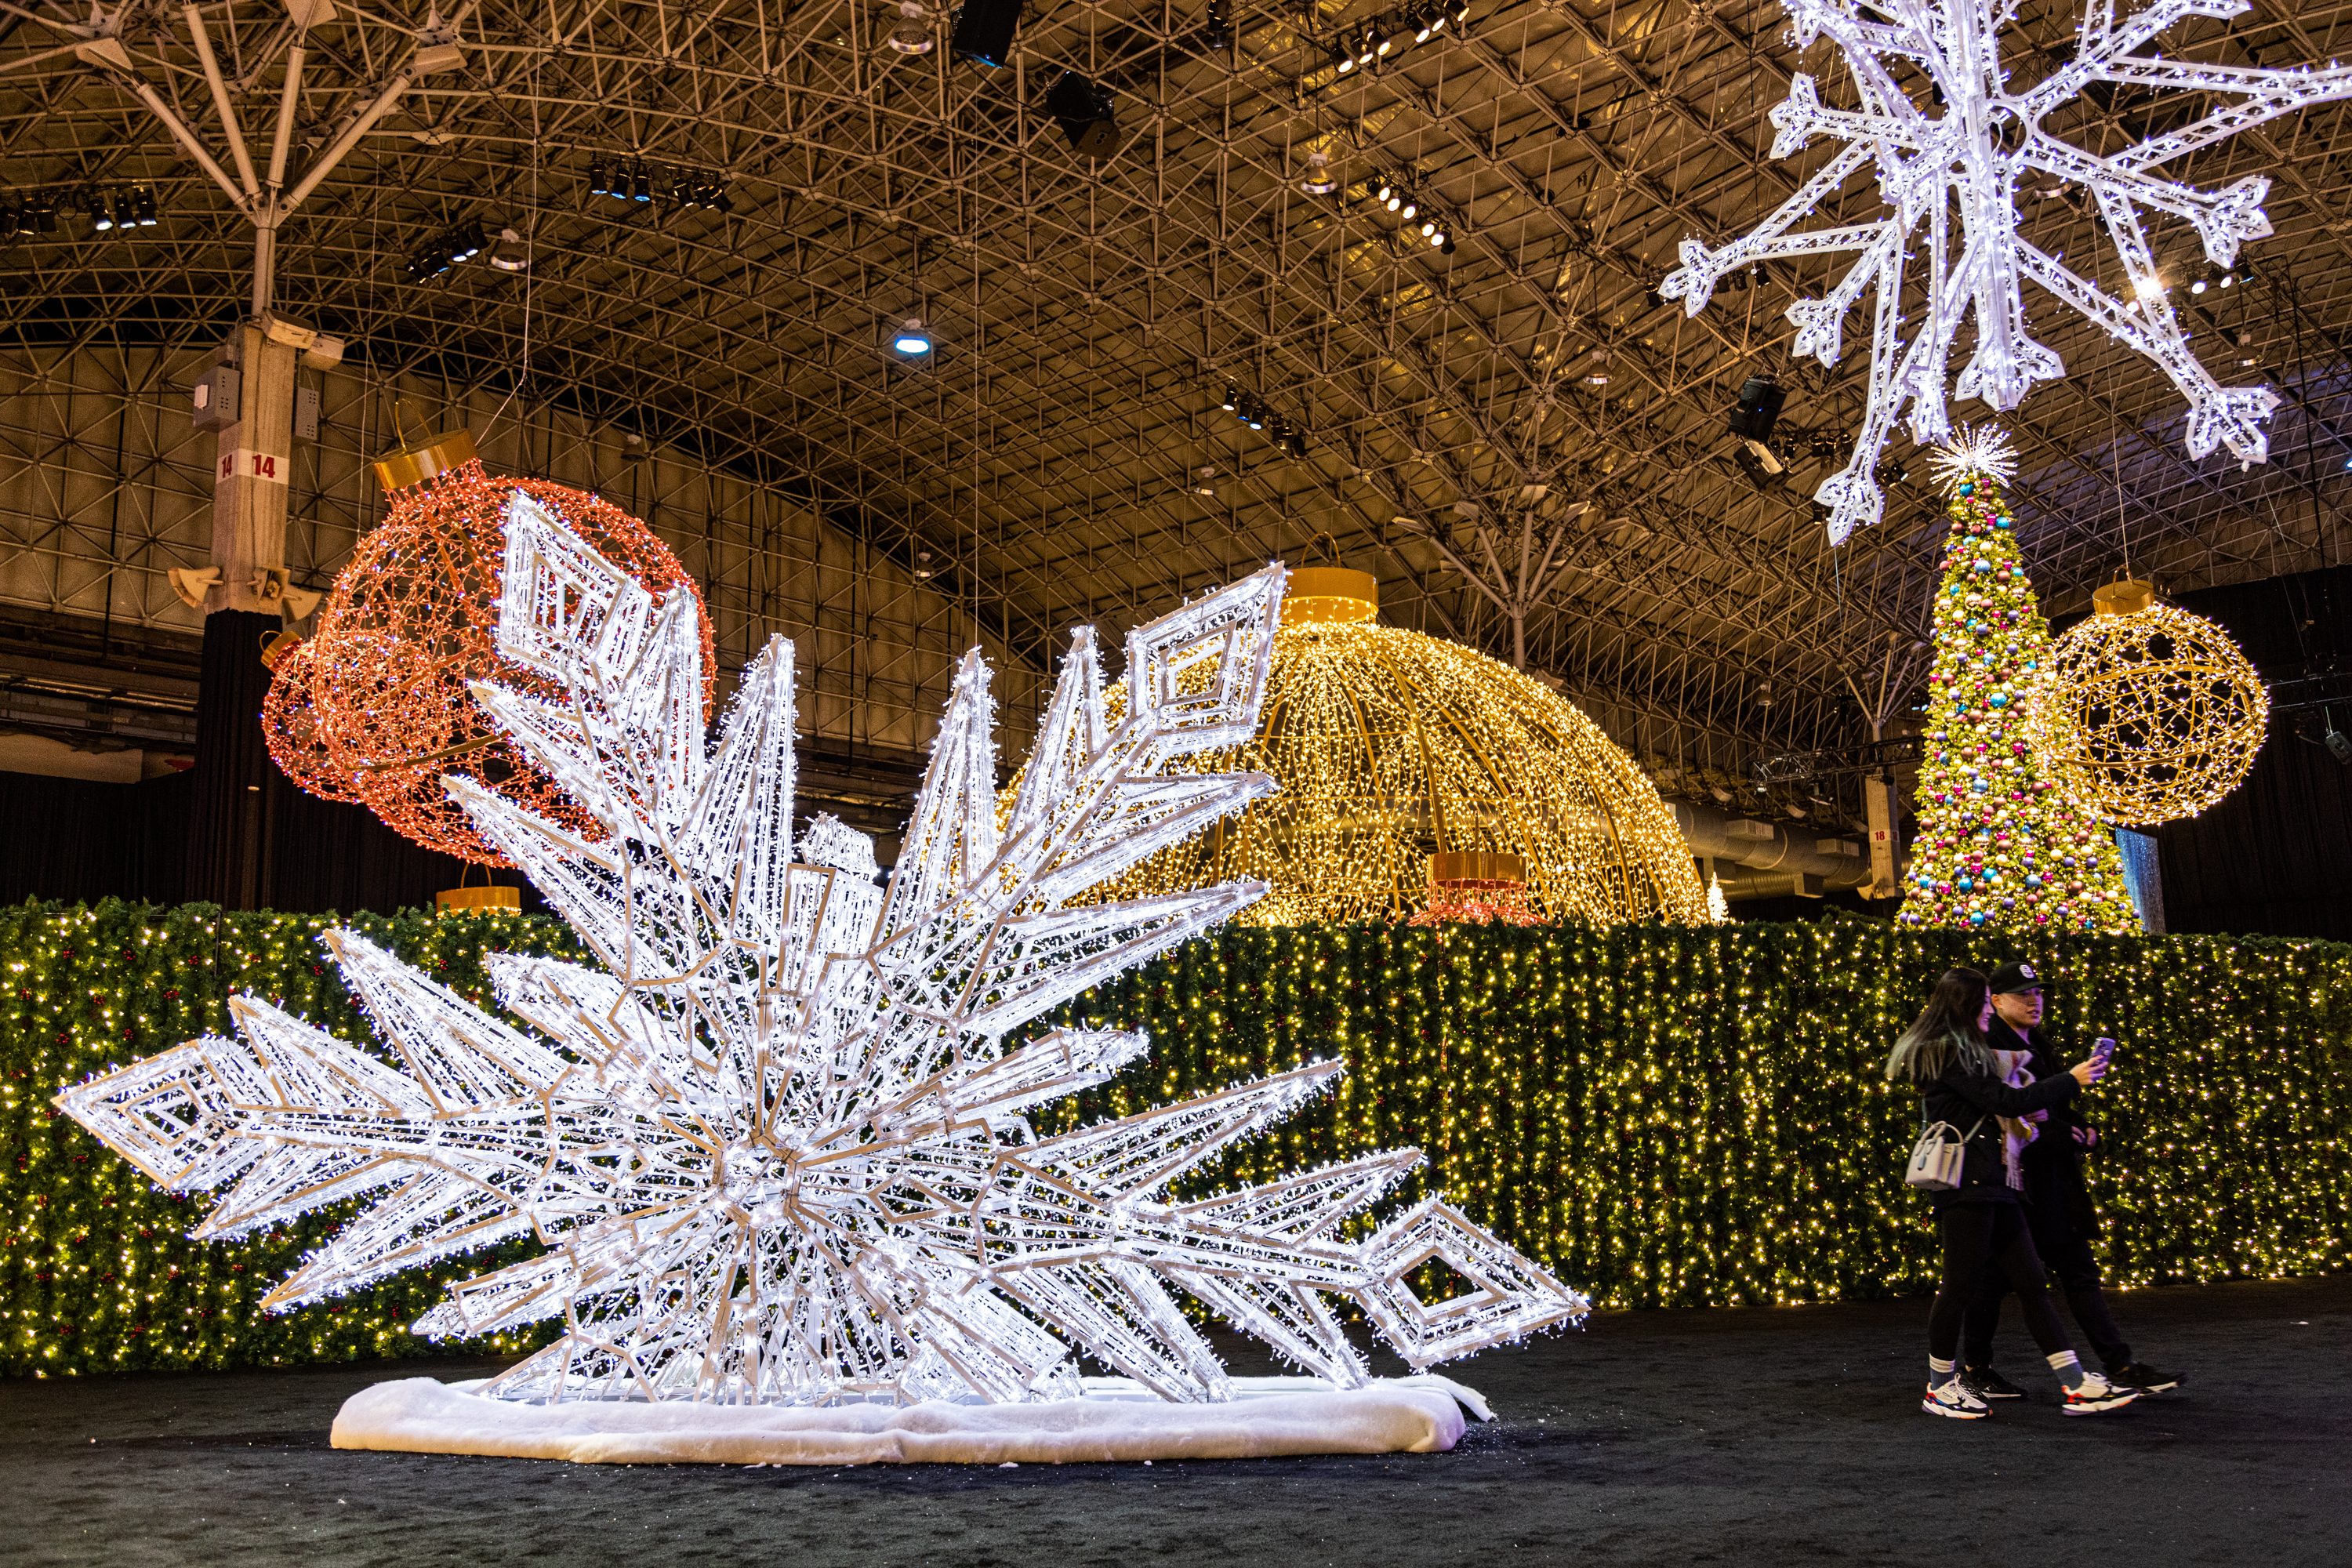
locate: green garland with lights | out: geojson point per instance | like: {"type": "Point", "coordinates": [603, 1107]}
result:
{"type": "Point", "coordinates": [1668, 1116]}
{"type": "Point", "coordinates": [100, 1275]}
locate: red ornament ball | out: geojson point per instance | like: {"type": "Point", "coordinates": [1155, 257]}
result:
{"type": "Point", "coordinates": [374, 709]}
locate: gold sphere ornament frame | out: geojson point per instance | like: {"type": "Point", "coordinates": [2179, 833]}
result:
{"type": "Point", "coordinates": [1398, 755]}
{"type": "Point", "coordinates": [2150, 713]}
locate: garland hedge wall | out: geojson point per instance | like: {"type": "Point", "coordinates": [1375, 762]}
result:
{"type": "Point", "coordinates": [1667, 1116]}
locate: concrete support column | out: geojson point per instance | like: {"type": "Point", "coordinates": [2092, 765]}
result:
{"type": "Point", "coordinates": [253, 471]}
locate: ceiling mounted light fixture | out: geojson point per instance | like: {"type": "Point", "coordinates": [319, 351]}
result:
{"type": "Point", "coordinates": [1319, 180]}
{"type": "Point", "coordinates": [912, 339]}
{"type": "Point", "coordinates": [912, 35]}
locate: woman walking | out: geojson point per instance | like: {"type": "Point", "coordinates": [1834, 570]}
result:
{"type": "Point", "coordinates": [1962, 1084]}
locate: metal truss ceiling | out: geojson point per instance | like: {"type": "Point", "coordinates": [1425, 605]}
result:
{"type": "Point", "coordinates": [1089, 314]}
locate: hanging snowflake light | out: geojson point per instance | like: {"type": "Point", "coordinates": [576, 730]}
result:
{"type": "Point", "coordinates": [1969, 150]}
{"type": "Point", "coordinates": [775, 1142]}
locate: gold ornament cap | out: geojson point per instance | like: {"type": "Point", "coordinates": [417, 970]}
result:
{"type": "Point", "coordinates": [2128, 597]}
{"type": "Point", "coordinates": [1329, 594]}
{"type": "Point", "coordinates": [1451, 867]}
{"type": "Point", "coordinates": [478, 901]}
{"type": "Point", "coordinates": [433, 455]}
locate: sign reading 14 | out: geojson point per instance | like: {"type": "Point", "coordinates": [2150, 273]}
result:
{"type": "Point", "coordinates": [267, 466]}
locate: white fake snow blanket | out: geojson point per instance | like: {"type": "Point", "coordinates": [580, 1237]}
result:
{"type": "Point", "coordinates": [1116, 1419]}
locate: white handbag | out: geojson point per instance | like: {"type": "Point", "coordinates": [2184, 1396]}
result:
{"type": "Point", "coordinates": [1935, 1160]}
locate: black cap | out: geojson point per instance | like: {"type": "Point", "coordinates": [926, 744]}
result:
{"type": "Point", "coordinates": [2011, 978]}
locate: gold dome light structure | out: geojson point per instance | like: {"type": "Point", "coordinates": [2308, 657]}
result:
{"type": "Point", "coordinates": [1400, 754]}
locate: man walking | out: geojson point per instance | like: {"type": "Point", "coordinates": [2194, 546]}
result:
{"type": "Point", "coordinates": [2057, 1211]}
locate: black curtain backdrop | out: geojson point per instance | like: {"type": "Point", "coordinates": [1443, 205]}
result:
{"type": "Point", "coordinates": [227, 851]}
{"type": "Point", "coordinates": [2274, 857]}
{"type": "Point", "coordinates": [76, 839]}
{"type": "Point", "coordinates": [232, 831]}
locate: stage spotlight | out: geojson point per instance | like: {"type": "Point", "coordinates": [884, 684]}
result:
{"type": "Point", "coordinates": [1083, 110]}
{"type": "Point", "coordinates": [983, 31]}
{"type": "Point", "coordinates": [466, 243]}
{"type": "Point", "coordinates": [1319, 180]}
{"type": "Point", "coordinates": [1341, 61]}
{"type": "Point", "coordinates": [1760, 402]}
{"type": "Point", "coordinates": [1231, 400]}
{"type": "Point", "coordinates": [143, 208]}
{"type": "Point", "coordinates": [1446, 248]}
{"type": "Point", "coordinates": [2198, 286]}
{"type": "Point", "coordinates": [912, 35]}
{"type": "Point", "coordinates": [101, 211]}
{"type": "Point", "coordinates": [912, 339]}
{"type": "Point", "coordinates": [1294, 441]}
{"type": "Point", "coordinates": [1458, 12]}
{"type": "Point", "coordinates": [42, 215]}
{"type": "Point", "coordinates": [1426, 23]}
{"type": "Point", "coordinates": [12, 222]}
{"type": "Point", "coordinates": [1219, 35]}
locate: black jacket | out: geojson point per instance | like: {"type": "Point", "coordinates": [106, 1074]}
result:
{"type": "Point", "coordinates": [2054, 1161]}
{"type": "Point", "coordinates": [1964, 1099]}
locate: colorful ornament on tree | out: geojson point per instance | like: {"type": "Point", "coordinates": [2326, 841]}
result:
{"type": "Point", "coordinates": [1971, 146]}
{"type": "Point", "coordinates": [776, 1139]}
{"type": "Point", "coordinates": [1999, 846]}
{"type": "Point", "coordinates": [374, 709]}
{"type": "Point", "coordinates": [2150, 713]}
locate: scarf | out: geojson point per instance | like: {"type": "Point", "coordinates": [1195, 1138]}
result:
{"type": "Point", "coordinates": [2015, 1134]}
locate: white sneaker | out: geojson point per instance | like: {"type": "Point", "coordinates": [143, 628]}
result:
{"type": "Point", "coordinates": [2096, 1396]}
{"type": "Point", "coordinates": [1952, 1399]}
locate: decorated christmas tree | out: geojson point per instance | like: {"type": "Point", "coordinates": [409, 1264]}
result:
{"type": "Point", "coordinates": [1999, 849]}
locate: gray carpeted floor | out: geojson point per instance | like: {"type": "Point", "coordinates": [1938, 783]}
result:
{"type": "Point", "coordinates": [1766, 1437]}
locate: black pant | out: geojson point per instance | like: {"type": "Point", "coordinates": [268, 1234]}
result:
{"type": "Point", "coordinates": [2069, 1258]}
{"type": "Point", "coordinates": [1976, 1235]}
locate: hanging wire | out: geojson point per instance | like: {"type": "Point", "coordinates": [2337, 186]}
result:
{"type": "Point", "coordinates": [529, 269]}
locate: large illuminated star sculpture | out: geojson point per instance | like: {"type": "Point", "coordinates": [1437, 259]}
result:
{"type": "Point", "coordinates": [1965, 153]}
{"type": "Point", "coordinates": [774, 1140]}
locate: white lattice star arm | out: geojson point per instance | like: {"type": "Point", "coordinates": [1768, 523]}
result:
{"type": "Point", "coordinates": [2218, 414]}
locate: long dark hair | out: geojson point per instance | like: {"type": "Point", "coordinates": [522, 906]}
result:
{"type": "Point", "coordinates": [1944, 1035]}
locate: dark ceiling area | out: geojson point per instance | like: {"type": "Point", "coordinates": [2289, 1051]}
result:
{"type": "Point", "coordinates": [1511, 428]}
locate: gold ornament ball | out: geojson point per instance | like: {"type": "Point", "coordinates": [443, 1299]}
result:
{"type": "Point", "coordinates": [1392, 747]}
{"type": "Point", "coordinates": [2149, 714]}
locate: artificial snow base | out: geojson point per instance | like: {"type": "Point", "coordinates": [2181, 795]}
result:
{"type": "Point", "coordinates": [1116, 1419]}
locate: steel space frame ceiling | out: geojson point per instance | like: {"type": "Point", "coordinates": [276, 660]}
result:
{"type": "Point", "coordinates": [1089, 314]}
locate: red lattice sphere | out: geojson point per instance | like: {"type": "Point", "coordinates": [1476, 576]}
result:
{"type": "Point", "coordinates": [374, 709]}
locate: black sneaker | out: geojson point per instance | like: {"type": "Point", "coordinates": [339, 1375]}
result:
{"type": "Point", "coordinates": [2140, 1376]}
{"type": "Point", "coordinates": [1987, 1383]}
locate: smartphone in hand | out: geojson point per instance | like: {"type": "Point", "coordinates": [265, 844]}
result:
{"type": "Point", "coordinates": [2104, 1048]}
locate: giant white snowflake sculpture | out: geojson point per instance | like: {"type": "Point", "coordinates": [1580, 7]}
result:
{"type": "Point", "coordinates": [1969, 155]}
{"type": "Point", "coordinates": [775, 1146]}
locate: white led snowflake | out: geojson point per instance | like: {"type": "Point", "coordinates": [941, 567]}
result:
{"type": "Point", "coordinates": [775, 1146]}
{"type": "Point", "coordinates": [1971, 153]}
